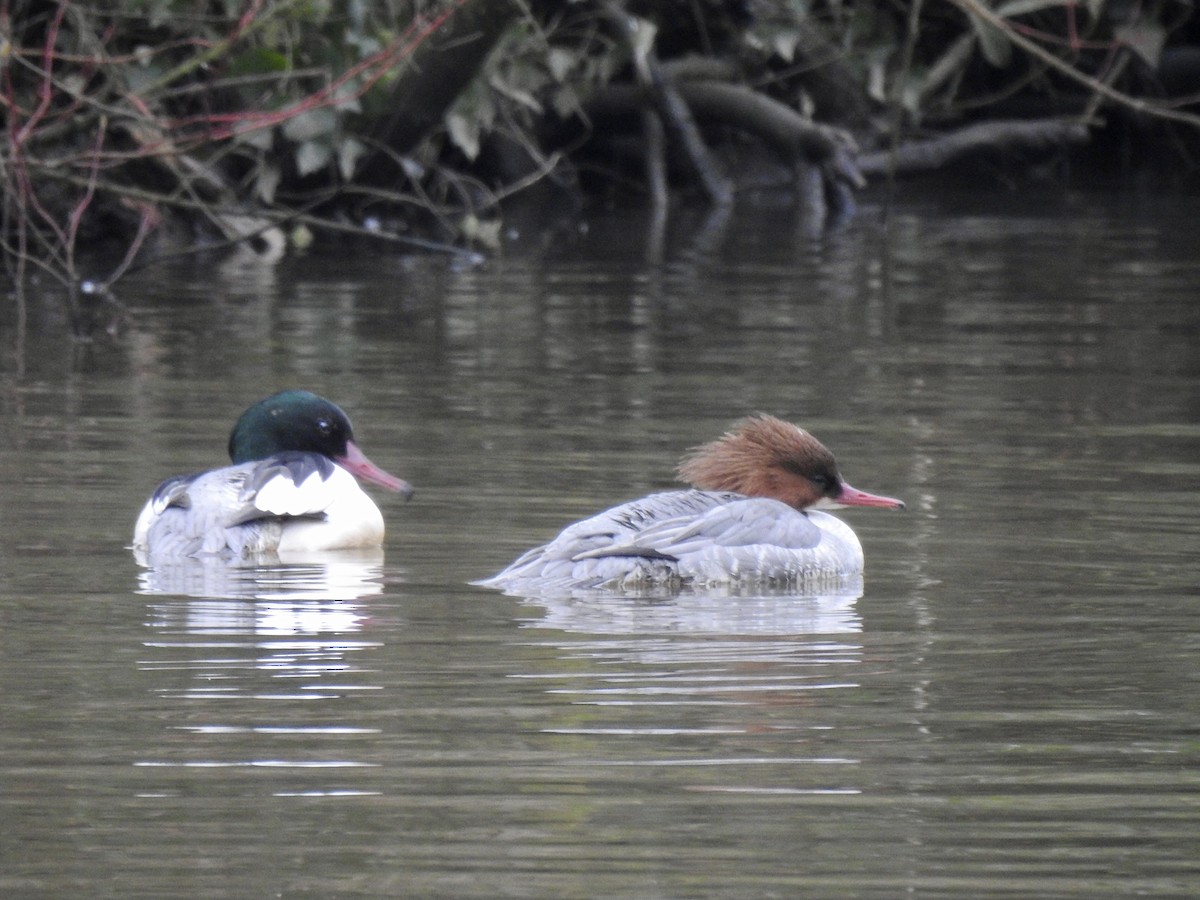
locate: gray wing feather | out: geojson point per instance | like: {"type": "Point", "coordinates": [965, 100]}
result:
{"type": "Point", "coordinates": [740, 523]}
{"type": "Point", "coordinates": [664, 536]}
{"type": "Point", "coordinates": [218, 512]}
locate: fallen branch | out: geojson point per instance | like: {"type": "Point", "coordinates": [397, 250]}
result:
{"type": "Point", "coordinates": [795, 139]}
{"type": "Point", "coordinates": [790, 134]}
{"type": "Point", "coordinates": [937, 152]}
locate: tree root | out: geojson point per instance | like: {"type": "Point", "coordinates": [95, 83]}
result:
{"type": "Point", "coordinates": [938, 152]}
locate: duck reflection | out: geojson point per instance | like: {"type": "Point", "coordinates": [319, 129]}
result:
{"type": "Point", "coordinates": [309, 598]}
{"type": "Point", "coordinates": [269, 655]}
{"type": "Point", "coordinates": [830, 608]}
{"type": "Point", "coordinates": [228, 625]}
{"type": "Point", "coordinates": [332, 575]}
{"type": "Point", "coordinates": [640, 668]}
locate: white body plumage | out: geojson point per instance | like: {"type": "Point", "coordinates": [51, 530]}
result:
{"type": "Point", "coordinates": [287, 503]}
{"type": "Point", "coordinates": [694, 537]}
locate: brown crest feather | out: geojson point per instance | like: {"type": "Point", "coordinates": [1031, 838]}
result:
{"type": "Point", "coordinates": [762, 456]}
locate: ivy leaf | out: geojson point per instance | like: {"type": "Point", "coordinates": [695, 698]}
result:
{"type": "Point", "coordinates": [345, 98]}
{"type": "Point", "coordinates": [565, 102]}
{"type": "Point", "coordinates": [784, 42]}
{"type": "Point", "coordinates": [310, 124]}
{"type": "Point", "coordinates": [311, 156]}
{"type": "Point", "coordinates": [464, 133]}
{"type": "Point", "coordinates": [560, 62]}
{"type": "Point", "coordinates": [515, 93]}
{"type": "Point", "coordinates": [993, 42]}
{"type": "Point", "coordinates": [267, 182]}
{"type": "Point", "coordinates": [1145, 38]}
{"type": "Point", "coordinates": [948, 65]}
{"type": "Point", "coordinates": [258, 138]}
{"type": "Point", "coordinates": [471, 116]}
{"type": "Point", "coordinates": [479, 231]}
{"type": "Point", "coordinates": [877, 77]}
{"type": "Point", "coordinates": [350, 151]}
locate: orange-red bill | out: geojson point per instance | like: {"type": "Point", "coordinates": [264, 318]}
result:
{"type": "Point", "coordinates": [356, 463]}
{"type": "Point", "coordinates": [851, 496]}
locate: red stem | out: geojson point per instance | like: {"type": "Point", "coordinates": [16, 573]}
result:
{"type": "Point", "coordinates": [46, 91]}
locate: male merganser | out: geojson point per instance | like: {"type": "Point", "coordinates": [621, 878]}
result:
{"type": "Point", "coordinates": [752, 517]}
{"type": "Point", "coordinates": [291, 489]}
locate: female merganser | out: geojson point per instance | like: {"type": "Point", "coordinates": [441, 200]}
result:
{"type": "Point", "coordinates": [291, 489]}
{"type": "Point", "coordinates": [753, 517]}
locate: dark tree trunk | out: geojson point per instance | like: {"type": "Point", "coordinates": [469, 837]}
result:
{"type": "Point", "coordinates": [438, 70]}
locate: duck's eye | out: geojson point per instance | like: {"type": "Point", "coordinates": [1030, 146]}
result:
{"type": "Point", "coordinates": [325, 427]}
{"type": "Point", "coordinates": [828, 485]}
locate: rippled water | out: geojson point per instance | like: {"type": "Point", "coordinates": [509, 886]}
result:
{"type": "Point", "coordinates": [1005, 707]}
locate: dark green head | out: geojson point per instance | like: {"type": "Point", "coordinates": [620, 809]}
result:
{"type": "Point", "coordinates": [302, 421]}
{"type": "Point", "coordinates": [290, 420]}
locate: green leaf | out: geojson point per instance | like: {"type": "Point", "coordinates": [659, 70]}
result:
{"type": "Point", "coordinates": [260, 61]}
{"type": "Point", "coordinates": [560, 62]}
{"type": "Point", "coordinates": [312, 123]}
{"type": "Point", "coordinates": [784, 42]}
{"type": "Point", "coordinates": [311, 156]}
{"type": "Point", "coordinates": [350, 151]}
{"type": "Point", "coordinates": [565, 102]}
{"type": "Point", "coordinates": [994, 43]}
{"type": "Point", "coordinates": [258, 138]}
{"type": "Point", "coordinates": [515, 93]}
{"type": "Point", "coordinates": [949, 64]}
{"type": "Point", "coordinates": [877, 78]}
{"type": "Point", "coordinates": [267, 182]}
{"type": "Point", "coordinates": [472, 115]}
{"type": "Point", "coordinates": [302, 237]}
{"type": "Point", "coordinates": [479, 231]}
{"type": "Point", "coordinates": [464, 133]}
{"type": "Point", "coordinates": [910, 94]}
{"type": "Point", "coordinates": [1145, 38]}
{"type": "Point", "coordinates": [346, 97]}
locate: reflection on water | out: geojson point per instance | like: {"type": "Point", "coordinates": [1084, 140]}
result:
{"type": "Point", "coordinates": [275, 636]}
{"type": "Point", "coordinates": [297, 617]}
{"type": "Point", "coordinates": [727, 671]}
{"type": "Point", "coordinates": [632, 672]}
{"type": "Point", "coordinates": [259, 617]}
{"type": "Point", "coordinates": [340, 575]}
{"type": "Point", "coordinates": [709, 611]}
{"type": "Point", "coordinates": [1005, 708]}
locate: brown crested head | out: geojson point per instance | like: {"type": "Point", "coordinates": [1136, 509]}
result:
{"type": "Point", "coordinates": [763, 456]}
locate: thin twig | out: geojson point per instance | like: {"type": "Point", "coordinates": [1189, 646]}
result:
{"type": "Point", "coordinates": [977, 9]}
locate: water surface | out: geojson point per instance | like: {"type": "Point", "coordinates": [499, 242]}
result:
{"type": "Point", "coordinates": [1005, 707]}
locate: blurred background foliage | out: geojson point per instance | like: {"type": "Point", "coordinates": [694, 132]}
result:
{"type": "Point", "coordinates": [136, 127]}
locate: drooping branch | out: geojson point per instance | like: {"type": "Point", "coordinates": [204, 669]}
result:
{"type": "Point", "coordinates": [976, 9]}
{"type": "Point", "coordinates": [660, 93]}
